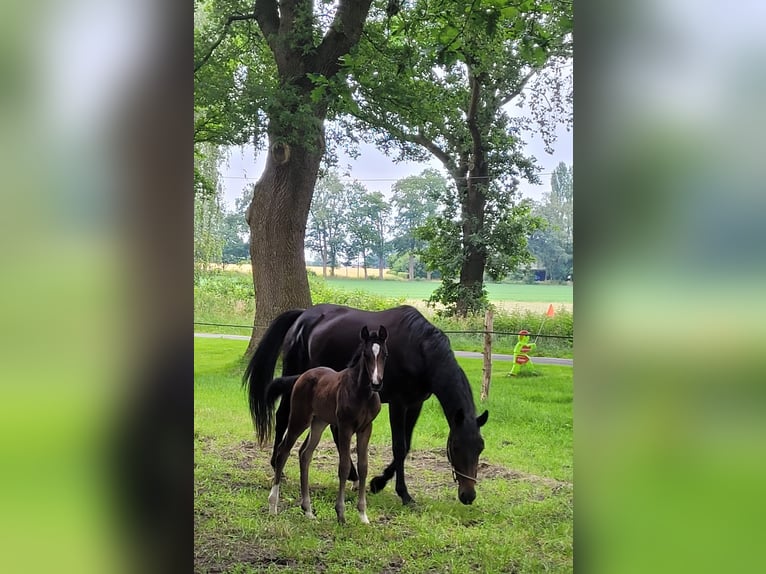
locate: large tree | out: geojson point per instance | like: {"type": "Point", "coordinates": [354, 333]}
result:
{"type": "Point", "coordinates": [300, 47]}
{"type": "Point", "coordinates": [445, 75]}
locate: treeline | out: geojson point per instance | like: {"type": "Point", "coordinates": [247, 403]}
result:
{"type": "Point", "coordinates": [350, 226]}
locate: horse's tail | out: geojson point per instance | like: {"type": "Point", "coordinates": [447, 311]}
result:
{"type": "Point", "coordinates": [260, 371]}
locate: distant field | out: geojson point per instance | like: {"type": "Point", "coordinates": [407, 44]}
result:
{"type": "Point", "coordinates": [498, 292]}
{"type": "Point", "coordinates": [535, 297]}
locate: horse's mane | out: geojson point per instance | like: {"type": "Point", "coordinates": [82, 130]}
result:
{"type": "Point", "coordinates": [421, 328]}
{"type": "Point", "coordinates": [436, 346]}
{"type": "Point", "coordinates": [356, 356]}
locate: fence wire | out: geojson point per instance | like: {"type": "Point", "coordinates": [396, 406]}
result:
{"type": "Point", "coordinates": [512, 333]}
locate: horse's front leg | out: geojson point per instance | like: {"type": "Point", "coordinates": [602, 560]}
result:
{"type": "Point", "coordinates": [397, 416]}
{"type": "Point", "coordinates": [344, 465]}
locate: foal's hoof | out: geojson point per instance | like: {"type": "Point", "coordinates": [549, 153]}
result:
{"type": "Point", "coordinates": [377, 484]}
{"type": "Point", "coordinates": [407, 500]}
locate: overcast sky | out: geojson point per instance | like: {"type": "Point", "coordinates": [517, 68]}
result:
{"type": "Point", "coordinates": [379, 173]}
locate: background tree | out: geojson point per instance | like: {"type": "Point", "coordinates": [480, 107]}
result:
{"type": "Point", "coordinates": [362, 223]}
{"type": "Point", "coordinates": [443, 89]}
{"type": "Point", "coordinates": [553, 244]}
{"type": "Point", "coordinates": [208, 214]}
{"type": "Point", "coordinates": [289, 53]}
{"type": "Point", "coordinates": [236, 234]}
{"type": "Point", "coordinates": [414, 200]}
{"type": "Point", "coordinates": [328, 221]}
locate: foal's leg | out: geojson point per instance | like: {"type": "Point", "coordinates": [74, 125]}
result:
{"type": "Point", "coordinates": [306, 454]}
{"type": "Point", "coordinates": [344, 452]}
{"type": "Point", "coordinates": [352, 474]}
{"type": "Point", "coordinates": [297, 425]}
{"type": "Point", "coordinates": [281, 419]}
{"type": "Point", "coordinates": [362, 441]}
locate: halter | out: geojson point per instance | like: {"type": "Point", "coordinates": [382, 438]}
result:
{"type": "Point", "coordinates": [456, 472]}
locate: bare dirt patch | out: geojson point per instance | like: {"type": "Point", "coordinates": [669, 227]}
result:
{"type": "Point", "coordinates": [425, 469]}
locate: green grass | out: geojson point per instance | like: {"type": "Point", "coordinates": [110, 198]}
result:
{"type": "Point", "coordinates": [227, 298]}
{"type": "Point", "coordinates": [521, 520]}
{"type": "Point", "coordinates": [421, 290]}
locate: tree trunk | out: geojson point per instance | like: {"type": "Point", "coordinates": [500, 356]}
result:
{"type": "Point", "coordinates": [412, 267]}
{"type": "Point", "coordinates": [279, 210]}
{"type": "Point", "coordinates": [277, 219]}
{"type": "Point", "coordinates": [473, 201]}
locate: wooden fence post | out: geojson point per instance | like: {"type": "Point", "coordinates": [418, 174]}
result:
{"type": "Point", "coordinates": [487, 370]}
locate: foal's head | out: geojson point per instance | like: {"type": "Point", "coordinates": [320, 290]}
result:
{"type": "Point", "coordinates": [374, 353]}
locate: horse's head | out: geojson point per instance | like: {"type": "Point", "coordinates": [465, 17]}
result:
{"type": "Point", "coordinates": [463, 448]}
{"type": "Point", "coordinates": [374, 355]}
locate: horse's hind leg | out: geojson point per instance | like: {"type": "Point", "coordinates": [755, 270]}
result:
{"type": "Point", "coordinates": [362, 442]}
{"type": "Point", "coordinates": [306, 454]}
{"type": "Point", "coordinates": [352, 474]}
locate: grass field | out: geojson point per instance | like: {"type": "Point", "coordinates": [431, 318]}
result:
{"type": "Point", "coordinates": [227, 299]}
{"type": "Point", "coordinates": [498, 292]}
{"type": "Point", "coordinates": [506, 295]}
{"type": "Point", "coordinates": [521, 520]}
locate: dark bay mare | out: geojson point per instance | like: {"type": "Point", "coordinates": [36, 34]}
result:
{"type": "Point", "coordinates": [421, 364]}
{"type": "Point", "coordinates": [321, 396]}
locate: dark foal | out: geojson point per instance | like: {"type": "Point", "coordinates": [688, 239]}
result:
{"type": "Point", "coordinates": [347, 399]}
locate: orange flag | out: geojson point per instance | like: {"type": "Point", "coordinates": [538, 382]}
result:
{"type": "Point", "coordinates": [550, 310]}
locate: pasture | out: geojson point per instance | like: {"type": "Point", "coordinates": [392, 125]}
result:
{"type": "Point", "coordinates": [521, 520]}
{"type": "Point", "coordinates": [504, 294]}
{"type": "Point", "coordinates": [227, 297]}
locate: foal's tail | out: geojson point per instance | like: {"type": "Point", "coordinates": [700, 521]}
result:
{"type": "Point", "coordinates": [279, 387]}
{"type": "Point", "coordinates": [260, 371]}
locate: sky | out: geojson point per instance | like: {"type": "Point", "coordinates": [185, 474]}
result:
{"type": "Point", "coordinates": [378, 172]}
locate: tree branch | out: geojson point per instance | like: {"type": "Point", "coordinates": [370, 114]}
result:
{"type": "Point", "coordinates": [435, 150]}
{"type": "Point", "coordinates": [519, 88]}
{"type": "Point", "coordinates": [226, 26]}
{"type": "Point", "coordinates": [342, 35]}
{"type": "Point", "coordinates": [267, 15]}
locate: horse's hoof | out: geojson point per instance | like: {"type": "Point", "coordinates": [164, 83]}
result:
{"type": "Point", "coordinates": [407, 500]}
{"type": "Point", "coordinates": [377, 484]}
